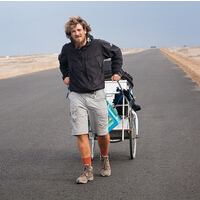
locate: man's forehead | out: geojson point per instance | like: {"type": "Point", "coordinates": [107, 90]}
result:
{"type": "Point", "coordinates": [77, 26]}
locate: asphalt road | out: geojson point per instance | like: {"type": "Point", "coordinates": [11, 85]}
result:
{"type": "Point", "coordinates": [39, 159]}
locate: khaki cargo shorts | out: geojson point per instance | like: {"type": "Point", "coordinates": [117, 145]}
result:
{"type": "Point", "coordinates": [88, 106]}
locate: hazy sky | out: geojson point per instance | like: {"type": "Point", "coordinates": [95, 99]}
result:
{"type": "Point", "coordinates": [38, 27]}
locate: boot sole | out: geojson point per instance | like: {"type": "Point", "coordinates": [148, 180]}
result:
{"type": "Point", "coordinates": [105, 175]}
{"type": "Point", "coordinates": [83, 182]}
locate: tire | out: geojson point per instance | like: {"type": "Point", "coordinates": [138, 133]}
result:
{"type": "Point", "coordinates": [132, 136]}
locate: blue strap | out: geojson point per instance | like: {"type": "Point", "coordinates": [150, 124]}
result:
{"type": "Point", "coordinates": [67, 91]}
{"type": "Point", "coordinates": [120, 97]}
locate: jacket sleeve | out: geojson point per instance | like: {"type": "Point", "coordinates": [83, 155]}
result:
{"type": "Point", "coordinates": [63, 64]}
{"type": "Point", "coordinates": [113, 52]}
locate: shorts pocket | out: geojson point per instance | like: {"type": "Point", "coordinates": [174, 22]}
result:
{"type": "Point", "coordinates": [73, 114]}
{"type": "Point", "coordinates": [101, 94]}
{"type": "Point", "coordinates": [73, 120]}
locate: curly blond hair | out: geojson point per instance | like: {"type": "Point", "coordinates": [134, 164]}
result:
{"type": "Point", "coordinates": [73, 21]}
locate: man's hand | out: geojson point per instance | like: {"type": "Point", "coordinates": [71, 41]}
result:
{"type": "Point", "coordinates": [115, 77]}
{"type": "Point", "coordinates": [67, 80]}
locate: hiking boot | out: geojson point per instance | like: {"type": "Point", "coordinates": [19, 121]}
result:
{"type": "Point", "coordinates": [87, 175]}
{"type": "Point", "coordinates": [105, 166]}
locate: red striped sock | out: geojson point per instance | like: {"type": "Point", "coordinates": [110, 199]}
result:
{"type": "Point", "coordinates": [87, 161]}
{"type": "Point", "coordinates": [104, 152]}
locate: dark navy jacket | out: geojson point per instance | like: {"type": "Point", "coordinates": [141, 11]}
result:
{"type": "Point", "coordinates": [85, 66]}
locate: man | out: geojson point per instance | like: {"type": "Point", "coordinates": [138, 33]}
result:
{"type": "Point", "coordinates": [81, 64]}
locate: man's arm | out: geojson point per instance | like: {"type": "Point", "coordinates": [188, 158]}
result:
{"type": "Point", "coordinates": [113, 52]}
{"type": "Point", "coordinates": [63, 65]}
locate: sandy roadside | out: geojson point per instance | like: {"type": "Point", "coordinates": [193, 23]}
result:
{"type": "Point", "coordinates": [188, 58]}
{"type": "Point", "coordinates": [11, 66]}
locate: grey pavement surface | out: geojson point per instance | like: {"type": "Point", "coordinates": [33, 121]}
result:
{"type": "Point", "coordinates": [39, 159]}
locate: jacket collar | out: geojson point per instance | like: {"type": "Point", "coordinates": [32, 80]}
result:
{"type": "Point", "coordinates": [90, 39]}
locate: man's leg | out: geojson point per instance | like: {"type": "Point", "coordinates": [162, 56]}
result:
{"type": "Point", "coordinates": [84, 149]}
{"type": "Point", "coordinates": [98, 116]}
{"type": "Point", "coordinates": [104, 142]}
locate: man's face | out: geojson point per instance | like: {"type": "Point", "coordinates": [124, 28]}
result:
{"type": "Point", "coordinates": [78, 35]}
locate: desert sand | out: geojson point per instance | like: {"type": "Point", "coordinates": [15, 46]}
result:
{"type": "Point", "coordinates": [188, 58]}
{"type": "Point", "coordinates": [11, 66]}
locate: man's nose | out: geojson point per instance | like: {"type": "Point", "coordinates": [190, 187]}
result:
{"type": "Point", "coordinates": [76, 33]}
